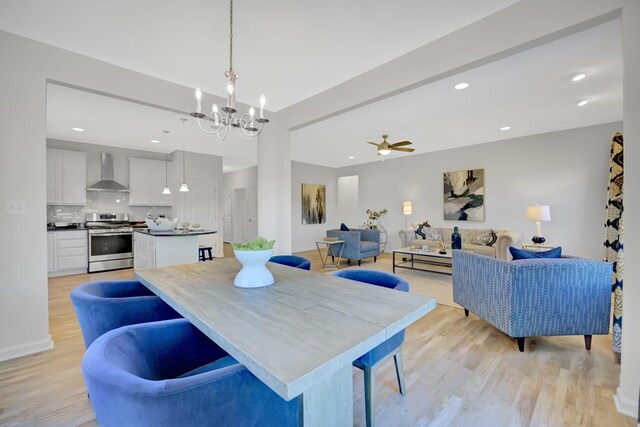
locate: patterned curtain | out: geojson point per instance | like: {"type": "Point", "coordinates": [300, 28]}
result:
{"type": "Point", "coordinates": [614, 233]}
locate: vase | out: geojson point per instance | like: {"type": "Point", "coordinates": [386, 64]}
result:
{"type": "Point", "coordinates": [456, 239]}
{"type": "Point", "coordinates": [254, 272]}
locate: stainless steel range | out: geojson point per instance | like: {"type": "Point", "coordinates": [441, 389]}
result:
{"type": "Point", "coordinates": [110, 241]}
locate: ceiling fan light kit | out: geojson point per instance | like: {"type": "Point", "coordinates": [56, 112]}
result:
{"type": "Point", "coordinates": [385, 148]}
{"type": "Point", "coordinates": [248, 124]}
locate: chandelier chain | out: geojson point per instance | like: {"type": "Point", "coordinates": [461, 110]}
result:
{"type": "Point", "coordinates": [231, 35]}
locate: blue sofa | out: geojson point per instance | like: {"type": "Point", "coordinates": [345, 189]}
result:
{"type": "Point", "coordinates": [360, 243]}
{"type": "Point", "coordinates": [535, 297]}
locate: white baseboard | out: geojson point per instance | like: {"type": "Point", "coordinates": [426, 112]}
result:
{"type": "Point", "coordinates": [26, 349]}
{"type": "Point", "coordinates": [626, 405]}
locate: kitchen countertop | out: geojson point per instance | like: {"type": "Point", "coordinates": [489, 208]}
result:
{"type": "Point", "coordinates": [174, 233]}
{"type": "Point", "coordinates": [49, 229]}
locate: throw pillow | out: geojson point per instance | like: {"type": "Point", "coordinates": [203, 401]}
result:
{"type": "Point", "coordinates": [343, 227]}
{"type": "Point", "coordinates": [486, 238]}
{"type": "Point", "coordinates": [483, 238]}
{"type": "Point", "coordinates": [522, 254]}
{"type": "Point", "coordinates": [434, 234]}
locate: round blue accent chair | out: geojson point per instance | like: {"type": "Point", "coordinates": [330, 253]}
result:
{"type": "Point", "coordinates": [103, 306]}
{"type": "Point", "coordinates": [391, 347]}
{"type": "Point", "coordinates": [169, 373]}
{"type": "Point", "coordinates": [292, 261]}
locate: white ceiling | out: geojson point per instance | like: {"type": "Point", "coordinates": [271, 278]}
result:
{"type": "Point", "coordinates": [532, 92]}
{"type": "Point", "coordinates": [118, 123]}
{"type": "Point", "coordinates": [287, 49]}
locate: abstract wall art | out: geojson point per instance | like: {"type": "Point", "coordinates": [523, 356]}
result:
{"type": "Point", "coordinates": [314, 204]}
{"type": "Point", "coordinates": [464, 195]}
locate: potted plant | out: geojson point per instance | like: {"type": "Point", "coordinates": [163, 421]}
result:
{"type": "Point", "coordinates": [374, 216]}
{"type": "Point", "coordinates": [253, 256]}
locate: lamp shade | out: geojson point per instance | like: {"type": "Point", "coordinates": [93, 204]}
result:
{"type": "Point", "coordinates": [538, 213]}
{"type": "Point", "coordinates": [406, 208]}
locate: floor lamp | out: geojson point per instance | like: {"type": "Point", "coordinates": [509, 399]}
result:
{"type": "Point", "coordinates": [406, 210]}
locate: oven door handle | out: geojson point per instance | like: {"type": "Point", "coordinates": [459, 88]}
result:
{"type": "Point", "coordinates": [111, 234]}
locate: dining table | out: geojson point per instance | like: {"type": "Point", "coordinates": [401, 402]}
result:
{"type": "Point", "coordinates": [299, 336]}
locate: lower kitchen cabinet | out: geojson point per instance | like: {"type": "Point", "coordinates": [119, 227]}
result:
{"type": "Point", "coordinates": [67, 252]}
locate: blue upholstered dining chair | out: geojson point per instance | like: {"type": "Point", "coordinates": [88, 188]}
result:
{"type": "Point", "coordinates": [292, 261]}
{"type": "Point", "coordinates": [169, 373]}
{"type": "Point", "coordinates": [391, 347]}
{"type": "Point", "coordinates": [103, 306]}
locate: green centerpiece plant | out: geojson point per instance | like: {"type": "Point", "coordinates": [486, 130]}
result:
{"type": "Point", "coordinates": [257, 244]}
{"type": "Point", "coordinates": [254, 256]}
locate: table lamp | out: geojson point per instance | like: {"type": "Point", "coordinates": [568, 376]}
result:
{"type": "Point", "coordinates": [406, 210]}
{"type": "Point", "coordinates": [538, 213]}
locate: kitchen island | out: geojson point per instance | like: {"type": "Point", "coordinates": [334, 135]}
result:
{"type": "Point", "coordinates": [154, 249]}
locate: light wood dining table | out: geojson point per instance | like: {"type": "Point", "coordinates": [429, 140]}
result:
{"type": "Point", "coordinates": [299, 336]}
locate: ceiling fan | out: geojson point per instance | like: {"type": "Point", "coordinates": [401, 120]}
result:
{"type": "Point", "coordinates": [384, 148]}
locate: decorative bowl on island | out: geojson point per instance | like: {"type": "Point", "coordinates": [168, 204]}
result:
{"type": "Point", "coordinates": [253, 256]}
{"type": "Point", "coordinates": [161, 224]}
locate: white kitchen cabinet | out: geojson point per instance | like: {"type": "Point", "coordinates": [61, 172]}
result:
{"type": "Point", "coordinates": [51, 265]}
{"type": "Point", "coordinates": [146, 182]}
{"type": "Point", "coordinates": [67, 252]}
{"type": "Point", "coordinates": [66, 177]}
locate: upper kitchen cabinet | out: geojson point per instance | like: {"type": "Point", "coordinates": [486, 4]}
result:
{"type": "Point", "coordinates": [66, 177]}
{"type": "Point", "coordinates": [146, 182]}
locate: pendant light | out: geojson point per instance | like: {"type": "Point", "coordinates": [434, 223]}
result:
{"type": "Point", "coordinates": [183, 188]}
{"type": "Point", "coordinates": [166, 163]}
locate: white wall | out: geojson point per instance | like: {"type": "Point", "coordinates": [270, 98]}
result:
{"type": "Point", "coordinates": [627, 395]}
{"type": "Point", "coordinates": [243, 178]}
{"type": "Point", "coordinates": [26, 66]}
{"type": "Point", "coordinates": [567, 170]}
{"type": "Point", "coordinates": [348, 209]}
{"type": "Point", "coordinates": [274, 186]}
{"type": "Point", "coordinates": [304, 236]}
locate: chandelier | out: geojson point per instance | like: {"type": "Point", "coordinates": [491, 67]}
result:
{"type": "Point", "coordinates": [248, 124]}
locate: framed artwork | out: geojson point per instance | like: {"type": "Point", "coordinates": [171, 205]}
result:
{"type": "Point", "coordinates": [314, 197]}
{"type": "Point", "coordinates": [464, 195]}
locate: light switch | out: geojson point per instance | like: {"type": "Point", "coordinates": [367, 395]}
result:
{"type": "Point", "coordinates": [16, 207]}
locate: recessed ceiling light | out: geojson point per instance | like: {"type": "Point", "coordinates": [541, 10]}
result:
{"type": "Point", "coordinates": [578, 77]}
{"type": "Point", "coordinates": [461, 86]}
{"type": "Point", "coordinates": [155, 141]}
{"type": "Point", "coordinates": [78, 129]}
{"type": "Point", "coordinates": [351, 157]}
{"type": "Point", "coordinates": [583, 102]}
{"type": "Point", "coordinates": [505, 128]}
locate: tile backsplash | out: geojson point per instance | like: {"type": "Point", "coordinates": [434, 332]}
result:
{"type": "Point", "coordinates": [104, 202]}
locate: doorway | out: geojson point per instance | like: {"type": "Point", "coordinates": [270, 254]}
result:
{"type": "Point", "coordinates": [239, 215]}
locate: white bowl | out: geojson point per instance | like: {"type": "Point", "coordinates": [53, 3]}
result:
{"type": "Point", "coordinates": [164, 226]}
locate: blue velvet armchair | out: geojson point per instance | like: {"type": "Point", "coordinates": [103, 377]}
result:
{"type": "Point", "coordinates": [360, 243]}
{"type": "Point", "coordinates": [535, 297]}
{"type": "Point", "coordinates": [168, 373]}
{"type": "Point", "coordinates": [103, 306]}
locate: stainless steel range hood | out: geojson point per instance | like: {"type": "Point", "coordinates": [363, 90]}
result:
{"type": "Point", "coordinates": [107, 182]}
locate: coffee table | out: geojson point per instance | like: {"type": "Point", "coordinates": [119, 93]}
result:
{"type": "Point", "coordinates": [423, 260]}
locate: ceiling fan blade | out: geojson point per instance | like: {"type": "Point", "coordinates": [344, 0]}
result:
{"type": "Point", "coordinates": [373, 143]}
{"type": "Point", "coordinates": [407, 150]}
{"type": "Point", "coordinates": [401, 143]}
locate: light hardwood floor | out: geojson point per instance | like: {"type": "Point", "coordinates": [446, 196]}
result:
{"type": "Point", "coordinates": [459, 371]}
